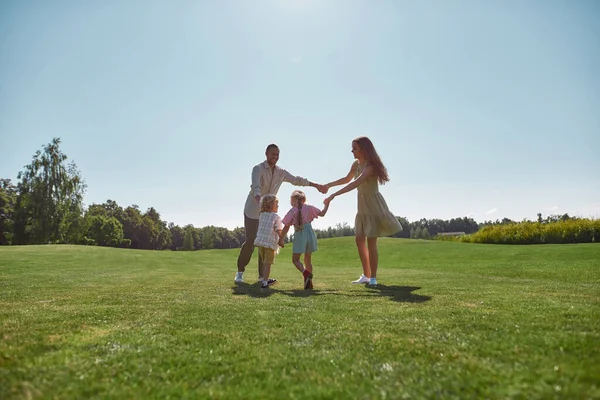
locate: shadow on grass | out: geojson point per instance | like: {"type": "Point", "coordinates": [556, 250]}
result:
{"type": "Point", "coordinates": [254, 290]}
{"type": "Point", "coordinates": [306, 293]}
{"type": "Point", "coordinates": [402, 294]}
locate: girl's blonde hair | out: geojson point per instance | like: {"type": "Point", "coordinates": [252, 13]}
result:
{"type": "Point", "coordinates": [267, 203]}
{"type": "Point", "coordinates": [300, 198]}
{"type": "Point", "coordinates": [372, 158]}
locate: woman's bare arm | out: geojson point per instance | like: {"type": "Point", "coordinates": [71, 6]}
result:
{"type": "Point", "coordinates": [344, 180]}
{"type": "Point", "coordinates": [366, 173]}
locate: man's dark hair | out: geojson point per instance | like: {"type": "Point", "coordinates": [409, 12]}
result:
{"type": "Point", "coordinates": [269, 147]}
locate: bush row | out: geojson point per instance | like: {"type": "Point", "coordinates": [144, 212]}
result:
{"type": "Point", "coordinates": [569, 231]}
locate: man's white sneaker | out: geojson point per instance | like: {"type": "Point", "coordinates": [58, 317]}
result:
{"type": "Point", "coordinates": [361, 279]}
{"type": "Point", "coordinates": [239, 277]}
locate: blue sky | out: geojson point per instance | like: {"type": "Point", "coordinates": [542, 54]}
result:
{"type": "Point", "coordinates": [487, 109]}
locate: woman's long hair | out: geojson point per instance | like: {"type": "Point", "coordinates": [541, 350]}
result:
{"type": "Point", "coordinates": [372, 158]}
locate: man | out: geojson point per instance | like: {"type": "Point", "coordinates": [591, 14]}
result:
{"type": "Point", "coordinates": [267, 177]}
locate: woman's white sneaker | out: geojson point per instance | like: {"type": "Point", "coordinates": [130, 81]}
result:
{"type": "Point", "coordinates": [361, 279]}
{"type": "Point", "coordinates": [239, 277]}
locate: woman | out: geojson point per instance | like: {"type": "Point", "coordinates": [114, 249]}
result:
{"type": "Point", "coordinates": [373, 219]}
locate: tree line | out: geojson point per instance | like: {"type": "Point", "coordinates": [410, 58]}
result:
{"type": "Point", "coordinates": [46, 206]}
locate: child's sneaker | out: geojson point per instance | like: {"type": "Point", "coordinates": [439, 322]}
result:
{"type": "Point", "coordinates": [373, 282]}
{"type": "Point", "coordinates": [307, 279]}
{"type": "Point", "coordinates": [361, 279]}
{"type": "Point", "coordinates": [239, 277]}
{"type": "Point", "coordinates": [264, 285]}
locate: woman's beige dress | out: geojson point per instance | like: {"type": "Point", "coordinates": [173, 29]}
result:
{"type": "Point", "coordinates": [374, 218]}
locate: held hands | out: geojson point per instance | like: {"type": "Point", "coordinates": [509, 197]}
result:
{"type": "Point", "coordinates": [322, 188]}
{"type": "Point", "coordinates": [328, 200]}
{"type": "Point", "coordinates": [281, 243]}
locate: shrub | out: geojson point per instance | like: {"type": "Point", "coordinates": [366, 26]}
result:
{"type": "Point", "coordinates": [576, 230]}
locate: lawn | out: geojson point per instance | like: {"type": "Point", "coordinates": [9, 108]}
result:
{"type": "Point", "coordinates": [448, 320]}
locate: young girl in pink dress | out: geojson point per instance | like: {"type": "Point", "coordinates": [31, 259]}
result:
{"type": "Point", "coordinates": [305, 240]}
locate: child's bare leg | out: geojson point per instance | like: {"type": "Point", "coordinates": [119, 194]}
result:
{"type": "Point", "coordinates": [305, 272]}
{"type": "Point", "coordinates": [309, 267]}
{"type": "Point", "coordinates": [296, 261]}
{"type": "Point", "coordinates": [261, 268]}
{"type": "Point", "coordinates": [266, 271]}
{"type": "Point", "coordinates": [260, 262]}
{"type": "Point", "coordinates": [363, 253]}
{"type": "Point", "coordinates": [308, 262]}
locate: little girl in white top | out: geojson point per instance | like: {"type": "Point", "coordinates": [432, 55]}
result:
{"type": "Point", "coordinates": [267, 237]}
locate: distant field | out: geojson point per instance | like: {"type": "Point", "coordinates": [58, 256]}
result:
{"type": "Point", "coordinates": [448, 320]}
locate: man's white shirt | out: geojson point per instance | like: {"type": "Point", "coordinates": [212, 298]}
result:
{"type": "Point", "coordinates": [267, 180]}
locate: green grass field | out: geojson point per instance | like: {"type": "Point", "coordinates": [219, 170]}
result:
{"type": "Point", "coordinates": [448, 320]}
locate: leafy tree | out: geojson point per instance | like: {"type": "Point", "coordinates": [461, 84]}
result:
{"type": "Point", "coordinates": [208, 237]}
{"type": "Point", "coordinates": [108, 209]}
{"type": "Point", "coordinates": [240, 236]}
{"type": "Point", "coordinates": [177, 236]}
{"type": "Point", "coordinates": [132, 225]}
{"type": "Point", "coordinates": [50, 198]}
{"type": "Point", "coordinates": [197, 234]}
{"type": "Point", "coordinates": [104, 231]}
{"type": "Point", "coordinates": [405, 232]}
{"type": "Point", "coordinates": [188, 240]}
{"type": "Point", "coordinates": [8, 198]}
{"type": "Point", "coordinates": [155, 234]}
{"type": "Point", "coordinates": [413, 233]}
